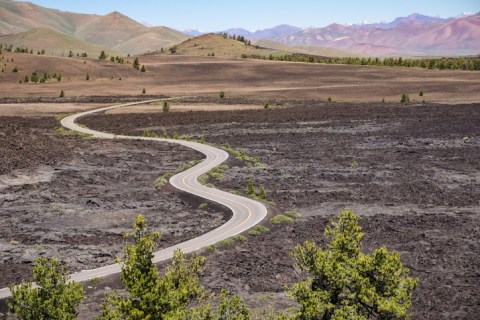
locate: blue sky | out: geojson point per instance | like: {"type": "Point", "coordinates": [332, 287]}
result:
{"type": "Point", "coordinates": [217, 15]}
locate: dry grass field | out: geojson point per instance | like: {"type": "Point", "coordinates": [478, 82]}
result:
{"type": "Point", "coordinates": [186, 76]}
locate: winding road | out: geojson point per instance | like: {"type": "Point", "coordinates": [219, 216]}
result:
{"type": "Point", "coordinates": [246, 212]}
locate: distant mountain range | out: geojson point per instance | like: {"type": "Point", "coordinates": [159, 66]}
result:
{"type": "Point", "coordinates": [413, 35]}
{"type": "Point", "coordinates": [115, 31]}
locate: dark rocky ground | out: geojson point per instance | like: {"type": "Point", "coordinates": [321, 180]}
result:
{"type": "Point", "coordinates": [416, 186]}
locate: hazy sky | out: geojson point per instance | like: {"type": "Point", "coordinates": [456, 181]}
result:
{"type": "Point", "coordinates": [217, 15]}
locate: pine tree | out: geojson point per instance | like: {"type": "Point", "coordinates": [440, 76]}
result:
{"type": "Point", "coordinates": [251, 187]}
{"type": "Point", "coordinates": [55, 297]}
{"type": "Point", "coordinates": [102, 56]}
{"type": "Point", "coordinates": [136, 64]}
{"type": "Point", "coordinates": [62, 94]}
{"type": "Point", "coordinates": [346, 283]}
{"type": "Point", "coordinates": [143, 68]}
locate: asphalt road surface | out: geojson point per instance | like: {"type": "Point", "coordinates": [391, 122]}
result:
{"type": "Point", "coordinates": [246, 212]}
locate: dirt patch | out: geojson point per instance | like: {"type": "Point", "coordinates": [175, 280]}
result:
{"type": "Point", "coordinates": [43, 109]}
{"type": "Point", "coordinates": [410, 171]}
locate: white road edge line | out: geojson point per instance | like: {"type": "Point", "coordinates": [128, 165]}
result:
{"type": "Point", "coordinates": [246, 212]}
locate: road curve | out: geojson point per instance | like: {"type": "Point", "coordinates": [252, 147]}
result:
{"type": "Point", "coordinates": [246, 212]}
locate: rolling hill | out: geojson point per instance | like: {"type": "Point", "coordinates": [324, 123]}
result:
{"type": "Point", "coordinates": [114, 30]}
{"type": "Point", "coordinates": [53, 42]}
{"type": "Point", "coordinates": [219, 46]}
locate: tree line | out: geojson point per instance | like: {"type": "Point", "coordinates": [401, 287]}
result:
{"type": "Point", "coordinates": [463, 63]}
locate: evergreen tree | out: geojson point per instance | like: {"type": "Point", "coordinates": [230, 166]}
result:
{"type": "Point", "coordinates": [346, 283]}
{"type": "Point", "coordinates": [102, 56]}
{"type": "Point", "coordinates": [251, 187]}
{"type": "Point", "coordinates": [143, 68]}
{"type": "Point", "coordinates": [55, 297]}
{"type": "Point", "coordinates": [151, 296]}
{"type": "Point", "coordinates": [136, 64]}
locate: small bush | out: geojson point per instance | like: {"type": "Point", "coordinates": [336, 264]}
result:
{"type": "Point", "coordinates": [258, 230]}
{"type": "Point", "coordinates": [222, 95]}
{"type": "Point", "coordinates": [15, 69]}
{"type": "Point", "coordinates": [149, 134]}
{"type": "Point", "coordinates": [144, 91]}
{"type": "Point", "coordinates": [211, 248]}
{"type": "Point", "coordinates": [329, 99]}
{"type": "Point", "coordinates": [202, 205]}
{"type": "Point", "coordinates": [163, 180]}
{"type": "Point", "coordinates": [143, 68]}
{"type": "Point", "coordinates": [354, 164]}
{"type": "Point", "coordinates": [87, 77]}
{"type": "Point", "coordinates": [166, 106]}
{"type": "Point", "coordinates": [421, 93]}
{"type": "Point", "coordinates": [293, 214]}
{"type": "Point", "coordinates": [405, 98]}
{"type": "Point", "coordinates": [62, 94]}
{"type": "Point", "coordinates": [281, 219]}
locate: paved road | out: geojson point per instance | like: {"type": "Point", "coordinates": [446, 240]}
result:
{"type": "Point", "coordinates": [246, 212]}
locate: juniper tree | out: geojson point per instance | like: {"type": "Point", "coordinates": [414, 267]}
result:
{"type": "Point", "coordinates": [345, 283]}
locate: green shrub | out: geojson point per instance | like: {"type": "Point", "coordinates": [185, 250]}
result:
{"type": "Point", "coordinates": [202, 205]}
{"type": "Point", "coordinates": [62, 94]}
{"type": "Point", "coordinates": [222, 94]}
{"type": "Point", "coordinates": [149, 134]}
{"type": "Point", "coordinates": [258, 230]}
{"type": "Point", "coordinates": [293, 214]}
{"type": "Point", "coordinates": [405, 98]}
{"type": "Point", "coordinates": [281, 219]}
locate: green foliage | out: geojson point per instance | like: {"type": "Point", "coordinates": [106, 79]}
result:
{"type": "Point", "coordinates": [59, 77]}
{"type": "Point", "coordinates": [136, 64]}
{"type": "Point", "coordinates": [216, 173]}
{"type": "Point", "coordinates": [222, 95]}
{"type": "Point", "coordinates": [26, 79]}
{"type": "Point", "coordinates": [354, 164]}
{"type": "Point", "coordinates": [258, 230]}
{"type": "Point", "coordinates": [149, 134]}
{"type": "Point", "coordinates": [62, 94]}
{"type": "Point", "coordinates": [150, 296]}
{"type": "Point", "coordinates": [421, 93]}
{"type": "Point", "coordinates": [64, 132]}
{"type": "Point", "coordinates": [266, 105]}
{"type": "Point", "coordinates": [262, 194]}
{"type": "Point", "coordinates": [163, 180]}
{"type": "Point", "coordinates": [251, 188]}
{"type": "Point", "coordinates": [53, 298]}
{"type": "Point", "coordinates": [231, 241]}
{"type": "Point", "coordinates": [405, 98]}
{"type": "Point", "coordinates": [15, 69]}
{"type": "Point", "coordinates": [345, 283]}
{"type": "Point", "coordinates": [329, 99]}
{"type": "Point", "coordinates": [202, 205]}
{"type": "Point", "coordinates": [293, 214]}
{"type": "Point", "coordinates": [165, 135]}
{"type": "Point", "coordinates": [166, 106]}
{"type": "Point", "coordinates": [278, 219]}
{"type": "Point", "coordinates": [472, 64]}
{"type": "Point", "coordinates": [176, 136]}
{"type": "Point", "coordinates": [241, 155]}
{"type": "Point", "coordinates": [102, 55]}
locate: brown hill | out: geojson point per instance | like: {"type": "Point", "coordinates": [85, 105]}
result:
{"type": "Point", "coordinates": [53, 42]}
{"type": "Point", "coordinates": [114, 30]}
{"type": "Point", "coordinates": [219, 46]}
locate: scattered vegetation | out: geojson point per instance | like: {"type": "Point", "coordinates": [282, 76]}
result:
{"type": "Point", "coordinates": [222, 95]}
{"type": "Point", "coordinates": [149, 134]}
{"type": "Point", "coordinates": [216, 174]}
{"type": "Point", "coordinates": [241, 155]}
{"type": "Point", "coordinates": [293, 214]}
{"type": "Point", "coordinates": [136, 64]}
{"type": "Point", "coordinates": [163, 180]}
{"type": "Point", "coordinates": [202, 205]}
{"type": "Point", "coordinates": [281, 219]}
{"type": "Point", "coordinates": [102, 55]}
{"type": "Point", "coordinates": [258, 230]}
{"type": "Point", "coordinates": [421, 93]}
{"type": "Point", "coordinates": [62, 94]}
{"type": "Point", "coordinates": [343, 283]}
{"type": "Point", "coordinates": [65, 132]}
